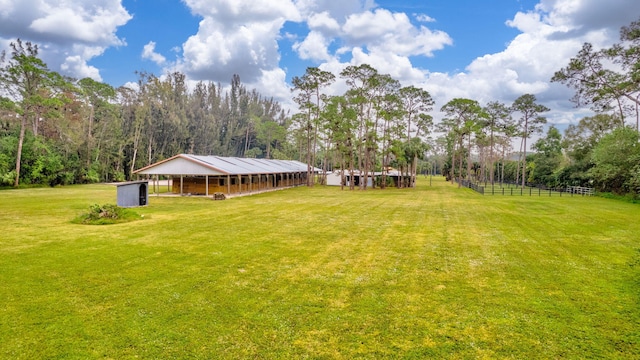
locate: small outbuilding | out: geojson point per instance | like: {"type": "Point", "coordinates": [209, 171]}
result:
{"type": "Point", "coordinates": [335, 178]}
{"type": "Point", "coordinates": [133, 193]}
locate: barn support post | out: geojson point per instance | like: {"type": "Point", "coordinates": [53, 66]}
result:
{"type": "Point", "coordinates": [228, 184]}
{"type": "Point", "coordinates": [240, 183]}
{"type": "Point", "coordinates": [181, 185]}
{"type": "Point", "coordinates": [250, 183]}
{"type": "Point", "coordinates": [206, 184]}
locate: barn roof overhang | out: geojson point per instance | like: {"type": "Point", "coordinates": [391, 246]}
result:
{"type": "Point", "coordinates": [186, 164]}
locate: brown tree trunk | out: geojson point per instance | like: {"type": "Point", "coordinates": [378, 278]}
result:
{"type": "Point", "coordinates": [23, 125]}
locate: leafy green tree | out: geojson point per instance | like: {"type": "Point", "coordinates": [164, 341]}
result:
{"type": "Point", "coordinates": [8, 148]}
{"type": "Point", "coordinates": [616, 159]}
{"type": "Point", "coordinates": [498, 122]}
{"type": "Point", "coordinates": [578, 143]}
{"type": "Point", "coordinates": [417, 103]}
{"type": "Point", "coordinates": [37, 91]}
{"type": "Point", "coordinates": [530, 121]}
{"type": "Point", "coordinates": [459, 122]}
{"type": "Point", "coordinates": [594, 83]}
{"type": "Point", "coordinates": [270, 133]}
{"type": "Point", "coordinates": [342, 123]}
{"type": "Point", "coordinates": [309, 100]}
{"type": "Point", "coordinates": [601, 85]}
{"type": "Point", "coordinates": [102, 125]}
{"type": "Point", "coordinates": [390, 111]}
{"type": "Point", "coordinates": [414, 150]}
{"type": "Point", "coordinates": [548, 158]}
{"type": "Point", "coordinates": [363, 81]}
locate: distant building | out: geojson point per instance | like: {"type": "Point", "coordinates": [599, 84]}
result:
{"type": "Point", "coordinates": [334, 178]}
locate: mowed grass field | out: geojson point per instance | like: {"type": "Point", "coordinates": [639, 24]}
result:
{"type": "Point", "coordinates": [431, 272]}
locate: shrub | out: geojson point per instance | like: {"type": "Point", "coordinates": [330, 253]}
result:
{"type": "Point", "coordinates": [107, 214]}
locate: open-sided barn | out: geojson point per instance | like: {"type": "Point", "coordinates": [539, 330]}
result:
{"type": "Point", "coordinates": [206, 175]}
{"type": "Point", "coordinates": [334, 178]}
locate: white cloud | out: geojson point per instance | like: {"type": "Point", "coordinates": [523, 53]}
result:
{"type": "Point", "coordinates": [215, 54]}
{"type": "Point", "coordinates": [313, 47]}
{"type": "Point", "coordinates": [77, 65]}
{"type": "Point", "coordinates": [424, 18]}
{"type": "Point", "coordinates": [235, 37]}
{"type": "Point", "coordinates": [399, 67]}
{"type": "Point", "coordinates": [241, 37]}
{"type": "Point", "coordinates": [82, 23]}
{"type": "Point", "coordinates": [69, 32]}
{"type": "Point", "coordinates": [393, 32]}
{"type": "Point", "coordinates": [337, 9]}
{"type": "Point", "coordinates": [149, 53]}
{"type": "Point", "coordinates": [324, 22]}
{"type": "Point", "coordinates": [272, 83]}
{"type": "Point", "coordinates": [386, 46]}
{"type": "Point", "coordinates": [551, 35]}
{"type": "Point", "coordinates": [234, 12]}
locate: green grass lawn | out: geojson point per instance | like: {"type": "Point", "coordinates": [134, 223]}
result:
{"type": "Point", "coordinates": [432, 272]}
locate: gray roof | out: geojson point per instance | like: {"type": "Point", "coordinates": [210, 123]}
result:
{"type": "Point", "coordinates": [185, 164]}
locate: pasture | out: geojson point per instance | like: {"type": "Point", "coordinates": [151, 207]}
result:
{"type": "Point", "coordinates": [432, 272]}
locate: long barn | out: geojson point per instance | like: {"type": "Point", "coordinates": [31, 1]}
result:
{"type": "Point", "coordinates": [206, 175]}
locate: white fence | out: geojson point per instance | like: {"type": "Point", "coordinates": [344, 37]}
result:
{"type": "Point", "coordinates": [580, 190]}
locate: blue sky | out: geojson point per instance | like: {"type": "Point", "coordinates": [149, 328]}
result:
{"type": "Point", "coordinates": [483, 50]}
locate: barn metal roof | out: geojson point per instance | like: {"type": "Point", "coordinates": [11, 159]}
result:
{"type": "Point", "coordinates": [185, 164]}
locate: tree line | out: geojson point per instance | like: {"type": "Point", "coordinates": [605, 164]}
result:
{"type": "Point", "coordinates": [56, 130]}
{"type": "Point", "coordinates": [377, 125]}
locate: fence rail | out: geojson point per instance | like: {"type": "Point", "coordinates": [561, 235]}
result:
{"type": "Point", "coordinates": [580, 190]}
{"type": "Point", "coordinates": [527, 191]}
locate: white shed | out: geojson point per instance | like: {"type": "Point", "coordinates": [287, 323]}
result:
{"type": "Point", "coordinates": [133, 193]}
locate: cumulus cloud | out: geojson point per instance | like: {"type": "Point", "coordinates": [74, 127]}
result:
{"type": "Point", "coordinates": [78, 66]}
{"type": "Point", "coordinates": [393, 32]}
{"type": "Point", "coordinates": [324, 22]}
{"type": "Point", "coordinates": [424, 18]}
{"type": "Point", "coordinates": [245, 37]}
{"type": "Point", "coordinates": [550, 35]}
{"type": "Point", "coordinates": [313, 47]}
{"type": "Point", "coordinates": [149, 53]}
{"type": "Point", "coordinates": [336, 9]}
{"type": "Point", "coordinates": [383, 39]}
{"type": "Point", "coordinates": [69, 32]}
{"type": "Point", "coordinates": [235, 37]}
{"type": "Point", "coordinates": [234, 12]}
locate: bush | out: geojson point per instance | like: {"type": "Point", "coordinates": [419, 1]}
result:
{"type": "Point", "coordinates": [107, 214]}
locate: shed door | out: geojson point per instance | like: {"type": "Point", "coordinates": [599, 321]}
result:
{"type": "Point", "coordinates": [143, 194]}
